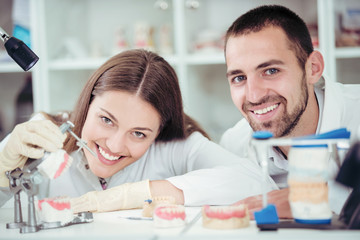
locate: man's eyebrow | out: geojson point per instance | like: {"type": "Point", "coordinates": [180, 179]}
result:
{"type": "Point", "coordinates": [233, 72]}
{"type": "Point", "coordinates": [262, 65]}
{"type": "Point", "coordinates": [112, 116]}
{"type": "Point", "coordinates": [269, 63]}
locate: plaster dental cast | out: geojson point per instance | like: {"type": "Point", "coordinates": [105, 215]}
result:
{"type": "Point", "coordinates": [130, 113]}
{"type": "Point", "coordinates": [276, 81]}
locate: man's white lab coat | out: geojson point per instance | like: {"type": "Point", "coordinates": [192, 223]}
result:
{"type": "Point", "coordinates": [339, 107]}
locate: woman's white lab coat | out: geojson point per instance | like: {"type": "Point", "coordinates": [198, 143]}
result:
{"type": "Point", "coordinates": [207, 173]}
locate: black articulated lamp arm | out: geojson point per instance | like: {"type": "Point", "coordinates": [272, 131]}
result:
{"type": "Point", "coordinates": [19, 51]}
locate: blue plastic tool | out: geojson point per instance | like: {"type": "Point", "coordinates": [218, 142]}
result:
{"type": "Point", "coordinates": [267, 215]}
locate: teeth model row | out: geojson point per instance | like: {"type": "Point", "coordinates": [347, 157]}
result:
{"type": "Point", "coordinates": [55, 164]}
{"type": "Point", "coordinates": [225, 217]}
{"type": "Point", "coordinates": [162, 209]}
{"type": "Point", "coordinates": [150, 204]}
{"type": "Point", "coordinates": [55, 210]}
{"type": "Point", "coordinates": [167, 214]}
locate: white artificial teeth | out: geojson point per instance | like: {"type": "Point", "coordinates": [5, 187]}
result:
{"type": "Point", "coordinates": [107, 156]}
{"type": "Point", "coordinates": [266, 110]}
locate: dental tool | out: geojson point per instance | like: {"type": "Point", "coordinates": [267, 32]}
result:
{"type": "Point", "coordinates": [81, 143]}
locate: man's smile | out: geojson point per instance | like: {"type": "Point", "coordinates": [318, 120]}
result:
{"type": "Point", "coordinates": [265, 110]}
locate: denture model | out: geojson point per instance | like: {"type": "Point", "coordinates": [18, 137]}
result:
{"type": "Point", "coordinates": [167, 216]}
{"type": "Point", "coordinates": [55, 210]}
{"type": "Point", "coordinates": [55, 164]}
{"type": "Point", "coordinates": [151, 204]}
{"type": "Point", "coordinates": [225, 217]}
{"type": "Point", "coordinates": [308, 189]}
{"type": "Point", "coordinates": [309, 200]}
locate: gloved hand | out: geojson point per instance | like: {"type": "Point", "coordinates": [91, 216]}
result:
{"type": "Point", "coordinates": [125, 196]}
{"type": "Point", "coordinates": [29, 140]}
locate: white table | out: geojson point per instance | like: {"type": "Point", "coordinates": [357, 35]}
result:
{"type": "Point", "coordinates": [115, 225]}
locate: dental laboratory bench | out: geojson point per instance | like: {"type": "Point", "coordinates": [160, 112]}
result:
{"type": "Point", "coordinates": [129, 224]}
{"type": "Point", "coordinates": [172, 221]}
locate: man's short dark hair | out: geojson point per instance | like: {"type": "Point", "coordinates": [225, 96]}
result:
{"type": "Point", "coordinates": [278, 16]}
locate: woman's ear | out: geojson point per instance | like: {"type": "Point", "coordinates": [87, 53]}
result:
{"type": "Point", "coordinates": [314, 67]}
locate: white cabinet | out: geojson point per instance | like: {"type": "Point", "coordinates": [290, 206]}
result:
{"type": "Point", "coordinates": [73, 38]}
{"type": "Point", "coordinates": [343, 63]}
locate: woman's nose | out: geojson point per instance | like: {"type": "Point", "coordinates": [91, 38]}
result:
{"type": "Point", "coordinates": [116, 143]}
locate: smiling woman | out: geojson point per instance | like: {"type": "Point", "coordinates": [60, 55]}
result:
{"type": "Point", "coordinates": [130, 113]}
{"type": "Point", "coordinates": [118, 140]}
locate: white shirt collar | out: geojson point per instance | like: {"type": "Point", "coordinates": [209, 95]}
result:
{"type": "Point", "coordinates": [319, 93]}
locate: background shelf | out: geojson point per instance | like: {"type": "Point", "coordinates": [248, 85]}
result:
{"type": "Point", "coordinates": [91, 26]}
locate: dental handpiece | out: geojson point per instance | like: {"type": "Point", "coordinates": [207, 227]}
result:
{"type": "Point", "coordinates": [4, 36]}
{"type": "Point", "coordinates": [67, 127]}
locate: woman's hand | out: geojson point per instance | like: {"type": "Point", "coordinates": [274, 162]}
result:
{"type": "Point", "coordinates": [124, 196]}
{"type": "Point", "coordinates": [29, 140]}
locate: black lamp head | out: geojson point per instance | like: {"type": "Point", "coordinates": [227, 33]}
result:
{"type": "Point", "coordinates": [19, 51]}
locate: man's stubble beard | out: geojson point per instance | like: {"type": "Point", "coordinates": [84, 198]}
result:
{"type": "Point", "coordinates": [288, 121]}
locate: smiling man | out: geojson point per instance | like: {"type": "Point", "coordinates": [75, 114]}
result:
{"type": "Point", "coordinates": [276, 82]}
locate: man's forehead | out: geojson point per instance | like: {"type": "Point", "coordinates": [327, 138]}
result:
{"type": "Point", "coordinates": [258, 48]}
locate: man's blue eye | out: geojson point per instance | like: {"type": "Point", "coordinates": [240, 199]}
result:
{"type": "Point", "coordinates": [271, 71]}
{"type": "Point", "coordinates": [238, 79]}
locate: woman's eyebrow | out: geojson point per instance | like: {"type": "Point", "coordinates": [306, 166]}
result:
{"type": "Point", "coordinates": [135, 128]}
{"type": "Point", "coordinates": [143, 129]}
{"type": "Point", "coordinates": [111, 116]}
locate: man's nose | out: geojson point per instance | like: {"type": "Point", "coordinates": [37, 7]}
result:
{"type": "Point", "coordinates": [255, 89]}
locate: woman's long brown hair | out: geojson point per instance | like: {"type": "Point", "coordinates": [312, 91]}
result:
{"type": "Point", "coordinates": [147, 75]}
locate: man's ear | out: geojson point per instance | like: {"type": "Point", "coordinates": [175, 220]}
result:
{"type": "Point", "coordinates": [314, 67]}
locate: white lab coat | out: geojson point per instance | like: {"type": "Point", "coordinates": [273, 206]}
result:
{"type": "Point", "coordinates": [207, 173]}
{"type": "Point", "coordinates": [338, 105]}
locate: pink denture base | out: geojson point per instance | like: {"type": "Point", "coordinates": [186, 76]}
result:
{"type": "Point", "coordinates": [54, 204]}
{"type": "Point", "coordinates": [224, 214]}
{"type": "Point", "coordinates": [62, 165]}
{"type": "Point", "coordinates": [169, 215]}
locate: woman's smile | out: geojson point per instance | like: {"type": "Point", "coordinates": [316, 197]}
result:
{"type": "Point", "coordinates": [106, 157]}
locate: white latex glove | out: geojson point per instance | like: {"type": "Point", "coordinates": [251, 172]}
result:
{"type": "Point", "coordinates": [125, 196]}
{"type": "Point", "coordinates": [29, 140]}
